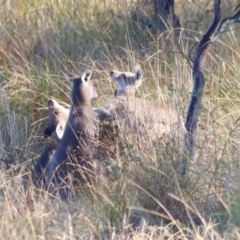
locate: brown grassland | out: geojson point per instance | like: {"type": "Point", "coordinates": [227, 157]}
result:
{"type": "Point", "coordinates": [143, 196]}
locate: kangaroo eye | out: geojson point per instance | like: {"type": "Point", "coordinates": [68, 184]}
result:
{"type": "Point", "coordinates": [124, 76]}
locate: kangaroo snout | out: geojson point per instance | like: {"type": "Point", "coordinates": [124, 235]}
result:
{"type": "Point", "coordinates": [50, 102]}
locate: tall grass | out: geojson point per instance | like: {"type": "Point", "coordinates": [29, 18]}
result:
{"type": "Point", "coordinates": [142, 196]}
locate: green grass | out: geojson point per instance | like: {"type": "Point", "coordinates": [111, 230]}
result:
{"type": "Point", "coordinates": [37, 39]}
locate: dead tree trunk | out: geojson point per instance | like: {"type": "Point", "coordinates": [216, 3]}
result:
{"type": "Point", "coordinates": [217, 26]}
{"type": "Point", "coordinates": [164, 15]}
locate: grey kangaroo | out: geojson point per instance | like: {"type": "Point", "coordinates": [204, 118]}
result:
{"type": "Point", "coordinates": [128, 83]}
{"type": "Point", "coordinates": [146, 118]}
{"type": "Point", "coordinates": [58, 116]}
{"type": "Point", "coordinates": [79, 130]}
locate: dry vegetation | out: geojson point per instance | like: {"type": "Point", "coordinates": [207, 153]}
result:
{"type": "Point", "coordinates": [143, 196]}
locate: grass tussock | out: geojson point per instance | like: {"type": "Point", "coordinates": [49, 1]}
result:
{"type": "Point", "coordinates": [140, 195]}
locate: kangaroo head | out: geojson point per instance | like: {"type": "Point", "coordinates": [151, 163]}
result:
{"type": "Point", "coordinates": [57, 114]}
{"type": "Point", "coordinates": [82, 86]}
{"type": "Point", "coordinates": [127, 81]}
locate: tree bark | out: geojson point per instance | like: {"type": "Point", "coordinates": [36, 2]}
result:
{"type": "Point", "coordinates": [198, 88]}
{"type": "Point", "coordinates": [215, 29]}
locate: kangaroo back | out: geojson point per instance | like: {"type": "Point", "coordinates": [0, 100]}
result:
{"type": "Point", "coordinates": [42, 162]}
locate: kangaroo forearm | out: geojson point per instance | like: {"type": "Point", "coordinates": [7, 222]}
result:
{"type": "Point", "coordinates": [103, 115]}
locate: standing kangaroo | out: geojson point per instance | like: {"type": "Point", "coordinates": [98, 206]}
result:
{"type": "Point", "coordinates": [146, 118]}
{"type": "Point", "coordinates": [79, 129]}
{"type": "Point", "coordinates": [58, 116]}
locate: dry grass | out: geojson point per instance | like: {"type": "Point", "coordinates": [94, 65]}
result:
{"type": "Point", "coordinates": [142, 196]}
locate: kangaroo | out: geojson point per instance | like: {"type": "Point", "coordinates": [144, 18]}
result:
{"type": "Point", "coordinates": [79, 130]}
{"type": "Point", "coordinates": [42, 162]}
{"type": "Point", "coordinates": [146, 118]}
{"type": "Point", "coordinates": [128, 83]}
{"type": "Point", "coordinates": [58, 116]}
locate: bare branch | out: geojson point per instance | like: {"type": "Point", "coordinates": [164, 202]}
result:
{"type": "Point", "coordinates": [217, 27]}
{"type": "Point", "coordinates": [198, 88]}
{"type": "Point", "coordinates": [225, 22]}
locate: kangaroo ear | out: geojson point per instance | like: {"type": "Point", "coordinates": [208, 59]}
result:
{"type": "Point", "coordinates": [69, 75]}
{"type": "Point", "coordinates": [60, 130]}
{"type": "Point", "coordinates": [87, 76]}
{"type": "Point", "coordinates": [50, 102]}
{"type": "Point", "coordinates": [138, 72]}
{"type": "Point", "coordinates": [94, 93]}
{"type": "Point", "coordinates": [138, 75]}
{"type": "Point", "coordinates": [137, 67]}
